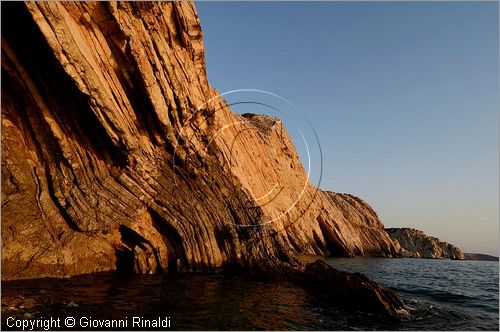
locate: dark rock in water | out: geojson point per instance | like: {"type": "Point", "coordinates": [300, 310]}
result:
{"type": "Point", "coordinates": [480, 257]}
{"type": "Point", "coordinates": [352, 289]}
{"type": "Point", "coordinates": [416, 244]}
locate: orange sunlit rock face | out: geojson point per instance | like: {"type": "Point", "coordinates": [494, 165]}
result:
{"type": "Point", "coordinates": [108, 161]}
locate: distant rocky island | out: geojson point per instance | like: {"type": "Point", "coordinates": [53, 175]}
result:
{"type": "Point", "coordinates": [416, 244]}
{"type": "Point", "coordinates": [480, 257]}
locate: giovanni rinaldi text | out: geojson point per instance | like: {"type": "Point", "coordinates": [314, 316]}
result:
{"type": "Point", "coordinates": [46, 324]}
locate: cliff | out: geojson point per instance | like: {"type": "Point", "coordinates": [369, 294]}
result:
{"type": "Point", "coordinates": [116, 154]}
{"type": "Point", "coordinates": [415, 243]}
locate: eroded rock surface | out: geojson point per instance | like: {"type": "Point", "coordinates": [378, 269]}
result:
{"type": "Point", "coordinates": [352, 289]}
{"type": "Point", "coordinates": [117, 154]}
{"type": "Point", "coordinates": [415, 243]}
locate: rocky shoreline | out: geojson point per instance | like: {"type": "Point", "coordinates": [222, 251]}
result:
{"type": "Point", "coordinates": [117, 154]}
{"type": "Point", "coordinates": [335, 288]}
{"type": "Point", "coordinates": [106, 115]}
{"type": "Point", "coordinates": [416, 244]}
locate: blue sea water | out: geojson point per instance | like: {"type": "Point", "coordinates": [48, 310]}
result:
{"type": "Point", "coordinates": [442, 295]}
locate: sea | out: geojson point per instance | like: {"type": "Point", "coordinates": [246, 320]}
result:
{"type": "Point", "coordinates": [440, 295]}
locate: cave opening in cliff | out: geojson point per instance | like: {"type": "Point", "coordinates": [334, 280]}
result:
{"type": "Point", "coordinates": [177, 260]}
{"type": "Point", "coordinates": [333, 244]}
{"type": "Point", "coordinates": [138, 256]}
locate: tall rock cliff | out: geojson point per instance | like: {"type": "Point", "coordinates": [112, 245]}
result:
{"type": "Point", "coordinates": [415, 243]}
{"type": "Point", "coordinates": [117, 154]}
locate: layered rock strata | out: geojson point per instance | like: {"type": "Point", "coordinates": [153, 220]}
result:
{"type": "Point", "coordinates": [415, 243]}
{"type": "Point", "coordinates": [118, 155]}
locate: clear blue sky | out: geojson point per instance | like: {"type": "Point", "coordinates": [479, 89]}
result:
{"type": "Point", "coordinates": [403, 97]}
